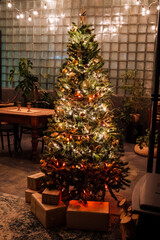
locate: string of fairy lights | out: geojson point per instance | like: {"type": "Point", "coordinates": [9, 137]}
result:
{"type": "Point", "coordinates": [145, 9]}
{"type": "Point", "coordinates": [21, 14]}
{"type": "Point", "coordinates": [107, 26]}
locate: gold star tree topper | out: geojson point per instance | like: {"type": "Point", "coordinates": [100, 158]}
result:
{"type": "Point", "coordinates": [82, 16]}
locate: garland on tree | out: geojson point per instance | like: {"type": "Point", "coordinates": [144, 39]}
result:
{"type": "Point", "coordinates": [83, 146]}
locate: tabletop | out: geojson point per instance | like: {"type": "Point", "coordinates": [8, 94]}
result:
{"type": "Point", "coordinates": [36, 112]}
{"type": "Point", "coordinates": [6, 104]}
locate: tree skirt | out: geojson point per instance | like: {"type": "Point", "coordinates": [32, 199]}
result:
{"type": "Point", "coordinates": [17, 222]}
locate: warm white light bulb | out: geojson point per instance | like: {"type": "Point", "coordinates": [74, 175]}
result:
{"type": "Point", "coordinates": [137, 2]}
{"type": "Point", "coordinates": [158, 7]}
{"type": "Point", "coordinates": [35, 12]}
{"type": "Point", "coordinates": [29, 19]}
{"type": "Point", "coordinates": [45, 6]}
{"type": "Point", "coordinates": [148, 12]}
{"type": "Point", "coordinates": [9, 4]}
{"type": "Point", "coordinates": [21, 15]}
{"type": "Point", "coordinates": [18, 17]}
{"type": "Point", "coordinates": [143, 9]}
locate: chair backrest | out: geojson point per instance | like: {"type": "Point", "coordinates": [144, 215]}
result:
{"type": "Point", "coordinates": [41, 104]}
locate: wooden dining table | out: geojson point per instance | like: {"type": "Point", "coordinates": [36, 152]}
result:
{"type": "Point", "coordinates": [3, 104]}
{"type": "Point", "coordinates": [34, 118]}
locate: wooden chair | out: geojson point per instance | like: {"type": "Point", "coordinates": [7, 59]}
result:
{"type": "Point", "coordinates": [6, 130]}
{"type": "Point", "coordinates": [28, 130]}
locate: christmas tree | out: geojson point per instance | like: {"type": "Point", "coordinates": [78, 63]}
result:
{"type": "Point", "coordinates": [83, 146]}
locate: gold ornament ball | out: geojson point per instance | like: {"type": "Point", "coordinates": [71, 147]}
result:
{"type": "Point", "coordinates": [75, 62]}
{"type": "Point", "coordinates": [64, 70]}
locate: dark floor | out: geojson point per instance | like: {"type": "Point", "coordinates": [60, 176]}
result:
{"type": "Point", "coordinates": [14, 171]}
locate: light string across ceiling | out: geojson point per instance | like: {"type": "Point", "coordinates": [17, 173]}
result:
{"type": "Point", "coordinates": [146, 8]}
{"type": "Point", "coordinates": [33, 12]}
{"type": "Point", "coordinates": [20, 14]}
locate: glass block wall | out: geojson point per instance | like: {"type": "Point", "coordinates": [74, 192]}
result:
{"type": "Point", "coordinates": [126, 38]}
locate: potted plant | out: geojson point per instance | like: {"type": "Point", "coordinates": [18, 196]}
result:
{"type": "Point", "coordinates": [27, 80]}
{"type": "Point", "coordinates": [134, 103]}
{"type": "Point", "coordinates": [46, 96]}
{"type": "Point", "coordinates": [142, 144]}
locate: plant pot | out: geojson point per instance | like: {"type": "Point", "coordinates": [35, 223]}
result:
{"type": "Point", "coordinates": [144, 151]}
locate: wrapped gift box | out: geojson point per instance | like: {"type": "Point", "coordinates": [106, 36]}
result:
{"type": "Point", "coordinates": [28, 194]}
{"type": "Point", "coordinates": [51, 196]}
{"type": "Point", "coordinates": [48, 215]}
{"type": "Point", "coordinates": [34, 181]}
{"type": "Point", "coordinates": [91, 216]}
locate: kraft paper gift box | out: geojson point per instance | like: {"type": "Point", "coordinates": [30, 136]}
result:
{"type": "Point", "coordinates": [51, 196]}
{"type": "Point", "coordinates": [91, 216]}
{"type": "Point", "coordinates": [48, 215]}
{"type": "Point", "coordinates": [34, 181]}
{"type": "Point", "coordinates": [28, 194]}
